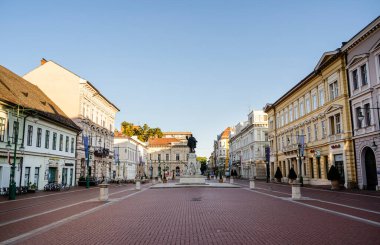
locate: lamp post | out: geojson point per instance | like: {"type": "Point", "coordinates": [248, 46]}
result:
{"type": "Point", "coordinates": [300, 155]}
{"type": "Point", "coordinates": [12, 182]}
{"type": "Point", "coordinates": [361, 118]}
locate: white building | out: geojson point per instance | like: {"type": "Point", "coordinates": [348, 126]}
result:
{"type": "Point", "coordinates": [222, 155]}
{"type": "Point", "coordinates": [88, 108]}
{"type": "Point", "coordinates": [43, 136]}
{"type": "Point", "coordinates": [247, 146]}
{"type": "Point", "coordinates": [130, 158]}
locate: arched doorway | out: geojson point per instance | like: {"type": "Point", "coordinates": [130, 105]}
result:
{"type": "Point", "coordinates": [370, 168]}
{"type": "Point", "coordinates": [177, 173]}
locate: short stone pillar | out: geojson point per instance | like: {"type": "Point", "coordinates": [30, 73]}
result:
{"type": "Point", "coordinates": [138, 184]}
{"type": "Point", "coordinates": [252, 184]}
{"type": "Point", "coordinates": [153, 181]}
{"type": "Point", "coordinates": [296, 191]}
{"type": "Point", "coordinates": [231, 180]}
{"type": "Point", "coordinates": [103, 194]}
{"type": "Point", "coordinates": [224, 179]}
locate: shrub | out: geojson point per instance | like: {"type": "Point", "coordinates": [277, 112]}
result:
{"type": "Point", "coordinates": [333, 174]}
{"type": "Point", "coordinates": [278, 174]}
{"type": "Point", "coordinates": [292, 174]}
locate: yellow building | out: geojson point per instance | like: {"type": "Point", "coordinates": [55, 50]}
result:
{"type": "Point", "coordinates": [310, 127]}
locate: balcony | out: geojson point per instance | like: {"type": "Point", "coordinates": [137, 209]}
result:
{"type": "Point", "coordinates": [102, 152]}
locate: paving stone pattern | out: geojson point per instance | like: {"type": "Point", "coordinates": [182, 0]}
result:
{"type": "Point", "coordinates": [208, 216]}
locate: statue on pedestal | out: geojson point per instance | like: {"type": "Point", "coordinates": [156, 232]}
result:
{"type": "Point", "coordinates": [192, 143]}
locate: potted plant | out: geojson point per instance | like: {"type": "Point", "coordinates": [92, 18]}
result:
{"type": "Point", "coordinates": [32, 187]}
{"type": "Point", "coordinates": [292, 175]}
{"type": "Point", "coordinates": [278, 175]}
{"type": "Point", "coordinates": [334, 176]}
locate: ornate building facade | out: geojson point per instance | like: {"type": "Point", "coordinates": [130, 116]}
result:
{"type": "Point", "coordinates": [310, 127]}
{"type": "Point", "coordinates": [88, 108]}
{"type": "Point", "coordinates": [363, 69]}
{"type": "Point", "coordinates": [168, 155]}
{"type": "Point", "coordinates": [247, 146]}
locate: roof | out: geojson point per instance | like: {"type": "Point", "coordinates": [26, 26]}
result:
{"type": "Point", "coordinates": [88, 82]}
{"type": "Point", "coordinates": [184, 133]}
{"type": "Point", "coordinates": [162, 141]}
{"type": "Point", "coordinates": [226, 133]}
{"type": "Point", "coordinates": [362, 34]}
{"type": "Point", "coordinates": [19, 92]}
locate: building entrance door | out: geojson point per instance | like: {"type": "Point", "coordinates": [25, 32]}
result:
{"type": "Point", "coordinates": [177, 171]}
{"type": "Point", "coordinates": [338, 160]}
{"type": "Point", "coordinates": [64, 176]}
{"type": "Point", "coordinates": [370, 169]}
{"type": "Point", "coordinates": [52, 173]}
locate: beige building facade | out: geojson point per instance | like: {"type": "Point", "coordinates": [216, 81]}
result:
{"type": "Point", "coordinates": [310, 126]}
{"type": "Point", "coordinates": [168, 155]}
{"type": "Point", "coordinates": [88, 108]}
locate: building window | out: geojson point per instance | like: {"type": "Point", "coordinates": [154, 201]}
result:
{"type": "Point", "coordinates": [54, 141]}
{"type": "Point", "coordinates": [358, 112]}
{"type": "Point", "coordinates": [72, 145]}
{"type": "Point", "coordinates": [363, 74]}
{"type": "Point", "coordinates": [159, 157]}
{"type": "Point", "coordinates": [334, 91]}
{"type": "Point", "coordinates": [355, 82]}
{"type": "Point", "coordinates": [321, 97]}
{"type": "Point", "coordinates": [39, 136]}
{"type": "Point", "coordinates": [167, 157]}
{"type": "Point", "coordinates": [177, 157]}
{"type": "Point", "coordinates": [30, 135]}
{"type": "Point", "coordinates": [307, 105]}
{"type": "Point", "coordinates": [61, 142]}
{"type": "Point", "coordinates": [27, 176]}
{"type": "Point", "coordinates": [338, 124]}
{"type": "Point", "coordinates": [67, 144]}
{"type": "Point", "coordinates": [2, 129]}
{"type": "Point", "coordinates": [367, 114]}
{"type": "Point", "coordinates": [315, 103]}
{"type": "Point", "coordinates": [36, 175]}
{"type": "Point", "coordinates": [290, 114]}
{"type": "Point", "coordinates": [47, 139]}
{"type": "Point", "coordinates": [295, 112]}
{"type": "Point", "coordinates": [308, 134]}
{"type": "Point", "coordinates": [301, 108]}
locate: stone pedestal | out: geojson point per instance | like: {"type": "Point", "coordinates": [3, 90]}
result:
{"type": "Point", "coordinates": [252, 184]}
{"type": "Point", "coordinates": [296, 191]}
{"type": "Point", "coordinates": [231, 180]}
{"type": "Point", "coordinates": [192, 179]}
{"type": "Point", "coordinates": [138, 185]}
{"type": "Point", "coordinates": [103, 194]}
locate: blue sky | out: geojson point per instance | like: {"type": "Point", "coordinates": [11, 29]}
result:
{"type": "Point", "coordinates": [196, 65]}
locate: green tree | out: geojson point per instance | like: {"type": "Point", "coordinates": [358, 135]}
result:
{"type": "Point", "coordinates": [143, 133]}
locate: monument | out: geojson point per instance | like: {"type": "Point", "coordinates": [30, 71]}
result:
{"type": "Point", "coordinates": [192, 173]}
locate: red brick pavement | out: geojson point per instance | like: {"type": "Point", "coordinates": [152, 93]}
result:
{"type": "Point", "coordinates": [208, 216]}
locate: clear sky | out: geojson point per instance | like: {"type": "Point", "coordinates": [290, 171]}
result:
{"type": "Point", "coordinates": [196, 65]}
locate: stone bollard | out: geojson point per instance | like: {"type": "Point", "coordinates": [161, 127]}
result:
{"type": "Point", "coordinates": [296, 191]}
{"type": "Point", "coordinates": [103, 194]}
{"type": "Point", "coordinates": [138, 185]}
{"type": "Point", "coordinates": [231, 180]}
{"type": "Point", "coordinates": [224, 179]}
{"type": "Point", "coordinates": [153, 181]}
{"type": "Point", "coordinates": [252, 184]}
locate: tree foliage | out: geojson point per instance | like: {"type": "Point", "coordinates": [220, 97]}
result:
{"type": "Point", "coordinates": [143, 133]}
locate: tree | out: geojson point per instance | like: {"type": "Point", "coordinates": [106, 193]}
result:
{"type": "Point", "coordinates": [203, 161]}
{"type": "Point", "coordinates": [292, 174]}
{"type": "Point", "coordinates": [278, 174]}
{"type": "Point", "coordinates": [143, 133]}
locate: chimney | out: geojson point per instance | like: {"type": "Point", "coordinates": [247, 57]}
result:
{"type": "Point", "coordinates": [43, 61]}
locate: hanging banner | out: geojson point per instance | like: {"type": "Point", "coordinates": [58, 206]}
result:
{"type": "Point", "coordinates": [267, 153]}
{"type": "Point", "coordinates": [116, 152]}
{"type": "Point", "coordinates": [85, 142]}
{"type": "Point", "coordinates": [301, 142]}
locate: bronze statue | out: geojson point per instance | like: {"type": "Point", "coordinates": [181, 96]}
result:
{"type": "Point", "coordinates": [192, 143]}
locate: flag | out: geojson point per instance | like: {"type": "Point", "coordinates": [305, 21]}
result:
{"type": "Point", "coordinates": [85, 142]}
